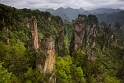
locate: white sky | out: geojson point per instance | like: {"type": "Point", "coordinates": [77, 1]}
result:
{"type": "Point", "coordinates": [85, 4]}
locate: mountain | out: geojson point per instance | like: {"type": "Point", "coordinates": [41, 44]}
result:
{"type": "Point", "coordinates": [112, 18]}
{"type": "Point", "coordinates": [67, 14]}
{"type": "Point", "coordinates": [41, 9]}
{"type": "Point", "coordinates": [104, 10]}
{"type": "Point", "coordinates": [39, 47]}
{"type": "Point", "coordinates": [70, 14]}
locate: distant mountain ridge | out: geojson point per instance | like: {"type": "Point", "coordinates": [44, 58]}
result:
{"type": "Point", "coordinates": [104, 10]}
{"type": "Point", "coordinates": [68, 14]}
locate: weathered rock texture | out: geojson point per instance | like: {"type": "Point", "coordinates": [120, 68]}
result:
{"type": "Point", "coordinates": [46, 60]}
{"type": "Point", "coordinates": [60, 37]}
{"type": "Point", "coordinates": [6, 32]}
{"type": "Point", "coordinates": [108, 35]}
{"type": "Point", "coordinates": [6, 41]}
{"type": "Point", "coordinates": [46, 54]}
{"type": "Point", "coordinates": [26, 22]}
{"type": "Point", "coordinates": [33, 42]}
{"type": "Point", "coordinates": [84, 36]}
{"type": "Point", "coordinates": [78, 35]}
{"type": "Point", "coordinates": [91, 37]}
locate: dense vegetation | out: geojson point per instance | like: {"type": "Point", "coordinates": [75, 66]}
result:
{"type": "Point", "coordinates": [112, 18]}
{"type": "Point", "coordinates": [17, 63]}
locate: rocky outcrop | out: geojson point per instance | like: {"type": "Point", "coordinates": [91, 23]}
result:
{"type": "Point", "coordinates": [108, 35]}
{"type": "Point", "coordinates": [33, 42]}
{"type": "Point", "coordinates": [26, 22]}
{"type": "Point", "coordinates": [91, 31]}
{"type": "Point", "coordinates": [45, 50]}
{"type": "Point", "coordinates": [46, 59]}
{"type": "Point", "coordinates": [99, 78]}
{"type": "Point", "coordinates": [60, 37]}
{"type": "Point", "coordinates": [78, 35]}
{"type": "Point", "coordinates": [84, 36]}
{"type": "Point", "coordinates": [91, 37]}
{"type": "Point", "coordinates": [91, 54]}
{"type": "Point", "coordinates": [6, 40]}
{"type": "Point", "coordinates": [5, 30]}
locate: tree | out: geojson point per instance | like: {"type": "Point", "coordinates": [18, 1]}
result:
{"type": "Point", "coordinates": [4, 75]}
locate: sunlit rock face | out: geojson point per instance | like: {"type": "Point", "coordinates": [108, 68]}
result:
{"type": "Point", "coordinates": [33, 42]}
{"type": "Point", "coordinates": [46, 60]}
{"type": "Point", "coordinates": [59, 44]}
{"type": "Point", "coordinates": [45, 50]}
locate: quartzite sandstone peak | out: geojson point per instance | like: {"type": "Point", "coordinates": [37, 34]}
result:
{"type": "Point", "coordinates": [33, 42]}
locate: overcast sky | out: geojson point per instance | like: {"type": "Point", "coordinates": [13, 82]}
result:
{"type": "Point", "coordinates": [85, 4]}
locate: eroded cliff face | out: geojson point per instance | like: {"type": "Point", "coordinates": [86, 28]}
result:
{"type": "Point", "coordinates": [111, 34]}
{"type": "Point", "coordinates": [33, 42]}
{"type": "Point", "coordinates": [108, 35]}
{"type": "Point", "coordinates": [26, 22]}
{"type": "Point", "coordinates": [60, 37]}
{"type": "Point", "coordinates": [91, 37]}
{"type": "Point", "coordinates": [44, 50]}
{"type": "Point", "coordinates": [46, 60]}
{"type": "Point", "coordinates": [78, 35]}
{"type": "Point", "coordinates": [84, 36]}
{"type": "Point", "coordinates": [6, 32]}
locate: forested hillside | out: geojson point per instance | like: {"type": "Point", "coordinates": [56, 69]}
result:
{"type": "Point", "coordinates": [112, 18]}
{"type": "Point", "coordinates": [38, 47]}
{"type": "Point", "coordinates": [103, 14]}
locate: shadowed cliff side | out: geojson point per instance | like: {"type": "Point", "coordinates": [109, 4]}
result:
{"type": "Point", "coordinates": [78, 35]}
{"type": "Point", "coordinates": [46, 59]}
{"type": "Point", "coordinates": [84, 41]}
{"type": "Point", "coordinates": [84, 36]}
{"type": "Point", "coordinates": [59, 44]}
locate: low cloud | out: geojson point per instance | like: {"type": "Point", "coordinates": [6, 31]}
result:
{"type": "Point", "coordinates": [86, 4]}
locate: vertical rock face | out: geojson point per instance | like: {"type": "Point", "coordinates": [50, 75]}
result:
{"type": "Point", "coordinates": [91, 37]}
{"type": "Point", "coordinates": [46, 54]}
{"type": "Point", "coordinates": [60, 36]}
{"type": "Point", "coordinates": [6, 41]}
{"type": "Point", "coordinates": [91, 31]}
{"type": "Point", "coordinates": [84, 36]}
{"type": "Point", "coordinates": [49, 17]}
{"type": "Point", "coordinates": [45, 62]}
{"type": "Point", "coordinates": [26, 22]}
{"type": "Point", "coordinates": [78, 35]}
{"type": "Point", "coordinates": [33, 42]}
{"type": "Point", "coordinates": [6, 31]}
{"type": "Point", "coordinates": [108, 35]}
